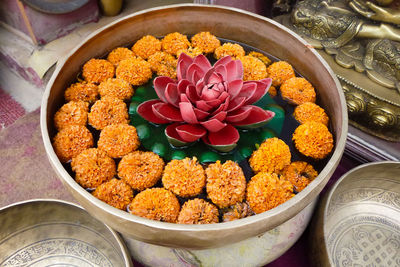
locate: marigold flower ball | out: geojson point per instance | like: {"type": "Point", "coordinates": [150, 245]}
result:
{"type": "Point", "coordinates": [115, 87]}
{"type": "Point", "coordinates": [266, 191]}
{"type": "Point", "coordinates": [174, 42]}
{"type": "Point", "coordinates": [140, 169]}
{"type": "Point", "coordinates": [185, 178]}
{"type": "Point", "coordinates": [198, 211]}
{"type": "Point", "coordinates": [190, 51]}
{"type": "Point", "coordinates": [71, 113]}
{"type": "Point", "coordinates": [279, 72]}
{"type": "Point", "coordinates": [117, 140]}
{"type": "Point", "coordinates": [205, 42]}
{"type": "Point", "coordinates": [163, 64]}
{"type": "Point", "coordinates": [261, 57]}
{"type": "Point", "coordinates": [93, 167]}
{"type": "Point", "coordinates": [229, 49]}
{"type": "Point", "coordinates": [106, 111]}
{"type": "Point", "coordinates": [115, 193]}
{"type": "Point", "coordinates": [71, 141]}
{"type": "Point", "coordinates": [238, 211]}
{"type": "Point", "coordinates": [253, 68]}
{"type": "Point", "coordinates": [313, 139]}
{"type": "Point", "coordinates": [272, 156]}
{"type": "Point", "coordinates": [156, 204]}
{"type": "Point", "coordinates": [82, 91]}
{"type": "Point", "coordinates": [135, 71]}
{"type": "Point", "coordinates": [119, 54]}
{"type": "Point", "coordinates": [226, 183]}
{"type": "Point", "coordinates": [309, 111]}
{"type": "Point", "coordinates": [298, 90]}
{"type": "Point", "coordinates": [97, 70]}
{"type": "Point", "coordinates": [146, 46]}
{"type": "Point", "coordinates": [299, 174]}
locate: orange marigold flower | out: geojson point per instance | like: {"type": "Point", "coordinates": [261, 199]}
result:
{"type": "Point", "coordinates": [238, 211]}
{"type": "Point", "coordinates": [253, 68]}
{"type": "Point", "coordinates": [299, 174]}
{"type": "Point", "coordinates": [279, 72]}
{"type": "Point", "coordinates": [185, 178]}
{"type": "Point", "coordinates": [115, 193]}
{"type": "Point", "coordinates": [266, 191]}
{"type": "Point", "coordinates": [72, 113]}
{"type": "Point", "coordinates": [205, 42]}
{"type": "Point", "coordinates": [261, 57]}
{"type": "Point", "coordinates": [174, 42]}
{"type": "Point", "coordinates": [272, 156]}
{"type": "Point", "coordinates": [298, 90]}
{"type": "Point", "coordinates": [272, 91]}
{"type": "Point", "coordinates": [93, 167]}
{"type": "Point", "coordinates": [198, 211]}
{"type": "Point", "coordinates": [106, 111]}
{"type": "Point", "coordinates": [82, 91]}
{"type": "Point", "coordinates": [119, 54]}
{"type": "Point", "coordinates": [117, 140]}
{"type": "Point", "coordinates": [229, 49]}
{"type": "Point", "coordinates": [156, 204]}
{"type": "Point", "coordinates": [97, 70]}
{"type": "Point", "coordinates": [140, 169]}
{"type": "Point", "coordinates": [135, 71]}
{"type": "Point", "coordinates": [115, 87]}
{"type": "Point", "coordinates": [313, 139]}
{"type": "Point", "coordinates": [71, 141]}
{"type": "Point", "coordinates": [147, 46]}
{"type": "Point", "coordinates": [309, 111]}
{"type": "Point", "coordinates": [226, 183]}
{"type": "Point", "coordinates": [190, 51]}
{"type": "Point", "coordinates": [163, 64]}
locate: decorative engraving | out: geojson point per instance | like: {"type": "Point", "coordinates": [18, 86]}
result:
{"type": "Point", "coordinates": [59, 250]}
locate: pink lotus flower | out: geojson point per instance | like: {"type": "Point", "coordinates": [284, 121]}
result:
{"type": "Point", "coordinates": [207, 102]}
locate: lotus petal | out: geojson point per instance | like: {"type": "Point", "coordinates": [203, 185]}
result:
{"type": "Point", "coordinates": [184, 98]}
{"type": "Point", "coordinates": [262, 88]}
{"type": "Point", "coordinates": [234, 87]}
{"type": "Point", "coordinates": [220, 116]}
{"type": "Point", "coordinates": [226, 136]}
{"type": "Point", "coordinates": [236, 103]}
{"type": "Point", "coordinates": [160, 84]}
{"type": "Point", "coordinates": [194, 73]}
{"type": "Point", "coordinates": [222, 107]}
{"type": "Point", "coordinates": [145, 110]}
{"type": "Point", "coordinates": [223, 61]}
{"type": "Point", "coordinates": [200, 114]}
{"type": "Point", "coordinates": [214, 103]}
{"type": "Point", "coordinates": [221, 69]}
{"type": "Point", "coordinates": [201, 104]}
{"type": "Point", "coordinates": [167, 112]}
{"type": "Point", "coordinates": [234, 69]}
{"type": "Point", "coordinates": [214, 78]}
{"type": "Point", "coordinates": [209, 94]}
{"type": "Point", "coordinates": [239, 114]}
{"type": "Point", "coordinates": [257, 118]}
{"type": "Point", "coordinates": [190, 132]}
{"type": "Point", "coordinates": [172, 94]}
{"type": "Point", "coordinates": [187, 113]}
{"type": "Point", "coordinates": [182, 84]}
{"type": "Point", "coordinates": [202, 62]}
{"type": "Point", "coordinates": [224, 95]}
{"type": "Point", "coordinates": [213, 125]}
{"type": "Point", "coordinates": [184, 61]}
{"type": "Point", "coordinates": [191, 93]}
{"type": "Point", "coordinates": [173, 136]}
{"type": "Point", "coordinates": [248, 90]}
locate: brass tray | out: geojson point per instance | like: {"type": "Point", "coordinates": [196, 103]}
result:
{"type": "Point", "coordinates": [358, 221]}
{"type": "Point", "coordinates": [57, 233]}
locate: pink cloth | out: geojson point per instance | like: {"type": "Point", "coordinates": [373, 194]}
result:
{"type": "Point", "coordinates": [10, 110]}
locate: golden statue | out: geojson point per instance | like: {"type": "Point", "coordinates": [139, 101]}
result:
{"type": "Point", "coordinates": [360, 40]}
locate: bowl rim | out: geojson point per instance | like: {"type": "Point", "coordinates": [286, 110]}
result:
{"type": "Point", "coordinates": [275, 212]}
{"type": "Point", "coordinates": [122, 247]}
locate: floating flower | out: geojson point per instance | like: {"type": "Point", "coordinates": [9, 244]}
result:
{"type": "Point", "coordinates": [207, 102]}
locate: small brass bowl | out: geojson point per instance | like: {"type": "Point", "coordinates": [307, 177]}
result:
{"type": "Point", "coordinates": [46, 232]}
{"type": "Point", "coordinates": [358, 221]}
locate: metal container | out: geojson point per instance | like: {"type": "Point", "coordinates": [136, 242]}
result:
{"type": "Point", "coordinates": [358, 222]}
{"type": "Point", "coordinates": [229, 23]}
{"type": "Point", "coordinates": [44, 232]}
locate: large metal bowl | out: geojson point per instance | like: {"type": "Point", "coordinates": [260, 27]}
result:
{"type": "Point", "coordinates": [228, 23]}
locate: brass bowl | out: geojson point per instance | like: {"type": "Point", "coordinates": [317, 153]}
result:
{"type": "Point", "coordinates": [45, 232]}
{"type": "Point", "coordinates": [358, 222]}
{"type": "Point", "coordinates": [228, 23]}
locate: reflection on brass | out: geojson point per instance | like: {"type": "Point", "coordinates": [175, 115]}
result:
{"type": "Point", "coordinates": [362, 41]}
{"type": "Point", "coordinates": [358, 221]}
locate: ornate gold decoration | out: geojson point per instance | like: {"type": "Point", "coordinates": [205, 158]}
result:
{"type": "Point", "coordinates": [361, 42]}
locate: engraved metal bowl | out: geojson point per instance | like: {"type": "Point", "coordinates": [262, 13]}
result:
{"type": "Point", "coordinates": [358, 222]}
{"type": "Point", "coordinates": [227, 23]}
{"type": "Point", "coordinates": [46, 232]}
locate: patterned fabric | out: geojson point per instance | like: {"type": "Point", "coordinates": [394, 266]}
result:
{"type": "Point", "coordinates": [10, 110]}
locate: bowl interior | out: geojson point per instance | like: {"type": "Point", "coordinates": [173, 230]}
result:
{"type": "Point", "coordinates": [57, 232]}
{"type": "Point", "coordinates": [227, 23]}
